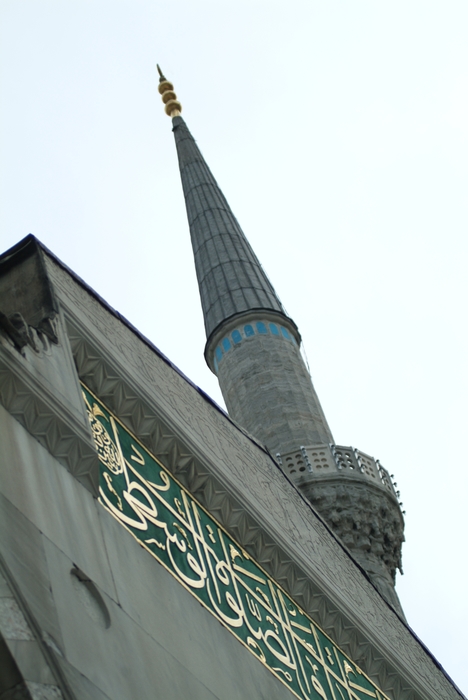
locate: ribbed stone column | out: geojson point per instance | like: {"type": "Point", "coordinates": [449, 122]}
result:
{"type": "Point", "coordinates": [265, 383]}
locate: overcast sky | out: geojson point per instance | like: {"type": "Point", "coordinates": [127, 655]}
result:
{"type": "Point", "coordinates": [338, 131]}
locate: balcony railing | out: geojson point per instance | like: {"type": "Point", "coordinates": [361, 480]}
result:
{"type": "Point", "coordinates": [319, 461]}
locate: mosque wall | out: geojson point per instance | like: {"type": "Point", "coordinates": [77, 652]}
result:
{"type": "Point", "coordinates": [86, 610]}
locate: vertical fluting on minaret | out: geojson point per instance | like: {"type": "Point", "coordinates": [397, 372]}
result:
{"type": "Point", "coordinates": [254, 349]}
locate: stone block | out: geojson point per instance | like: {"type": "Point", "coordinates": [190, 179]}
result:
{"type": "Point", "coordinates": [31, 661]}
{"type": "Point", "coordinates": [122, 660]}
{"type": "Point", "coordinates": [12, 621]}
{"type": "Point", "coordinates": [83, 688]}
{"type": "Point", "coordinates": [22, 549]}
{"type": "Point", "coordinates": [53, 500]}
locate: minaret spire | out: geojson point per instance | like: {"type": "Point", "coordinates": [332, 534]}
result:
{"type": "Point", "coordinates": [230, 277]}
{"type": "Point", "coordinates": [166, 89]}
{"type": "Point", "coordinates": [253, 348]}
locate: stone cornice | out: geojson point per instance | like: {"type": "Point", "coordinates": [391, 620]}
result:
{"type": "Point", "coordinates": [39, 409]}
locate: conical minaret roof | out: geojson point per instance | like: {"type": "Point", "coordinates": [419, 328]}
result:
{"type": "Point", "coordinates": [230, 277]}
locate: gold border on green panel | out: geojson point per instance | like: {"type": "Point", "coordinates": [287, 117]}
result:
{"type": "Point", "coordinates": [165, 519]}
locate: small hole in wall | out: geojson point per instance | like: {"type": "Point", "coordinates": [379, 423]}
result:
{"type": "Point", "coordinates": [90, 598]}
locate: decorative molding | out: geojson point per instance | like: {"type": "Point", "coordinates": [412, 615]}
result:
{"type": "Point", "coordinates": [47, 419]}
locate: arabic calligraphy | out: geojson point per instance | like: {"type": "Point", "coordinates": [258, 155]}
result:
{"type": "Point", "coordinates": [146, 499]}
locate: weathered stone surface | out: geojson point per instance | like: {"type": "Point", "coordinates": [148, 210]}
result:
{"type": "Point", "coordinates": [56, 503]}
{"type": "Point", "coordinates": [18, 692]}
{"type": "Point", "coordinates": [160, 638]}
{"type": "Point", "coordinates": [24, 669]}
{"type": "Point", "coordinates": [11, 680]}
{"type": "Point", "coordinates": [268, 390]}
{"type": "Point", "coordinates": [43, 691]}
{"type": "Point", "coordinates": [38, 383]}
{"type": "Point", "coordinates": [368, 522]}
{"type": "Point", "coordinates": [83, 688]}
{"type": "Point", "coordinates": [12, 622]}
{"type": "Point", "coordinates": [27, 300]}
{"type": "Point", "coordinates": [21, 545]}
{"type": "Point", "coordinates": [29, 657]}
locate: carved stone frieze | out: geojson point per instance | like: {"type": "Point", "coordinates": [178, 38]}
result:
{"type": "Point", "coordinates": [368, 522]}
{"type": "Point", "coordinates": [47, 419]}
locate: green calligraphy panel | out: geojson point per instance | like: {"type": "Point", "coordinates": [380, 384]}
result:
{"type": "Point", "coordinates": [148, 501]}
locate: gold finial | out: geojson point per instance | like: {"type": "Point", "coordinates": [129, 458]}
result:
{"type": "Point", "coordinates": [173, 107]}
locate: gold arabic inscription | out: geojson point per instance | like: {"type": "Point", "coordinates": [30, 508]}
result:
{"type": "Point", "coordinates": [146, 499]}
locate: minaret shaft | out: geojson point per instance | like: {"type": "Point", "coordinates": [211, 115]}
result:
{"type": "Point", "coordinates": [265, 383]}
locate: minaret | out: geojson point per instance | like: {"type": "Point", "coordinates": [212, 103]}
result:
{"type": "Point", "coordinates": [254, 349]}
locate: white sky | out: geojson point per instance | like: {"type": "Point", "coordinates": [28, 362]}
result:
{"type": "Point", "coordinates": [339, 133]}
